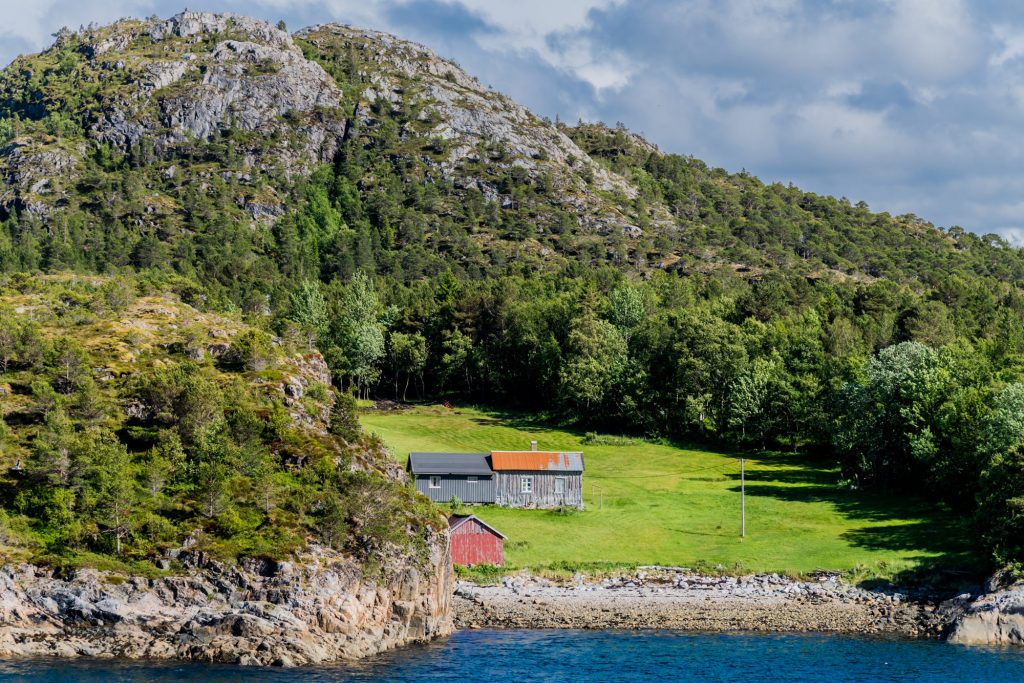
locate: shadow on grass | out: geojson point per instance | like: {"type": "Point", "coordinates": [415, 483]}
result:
{"type": "Point", "coordinates": [691, 532]}
{"type": "Point", "coordinates": [520, 421]}
{"type": "Point", "coordinates": [541, 424]}
{"type": "Point", "coordinates": [948, 558]}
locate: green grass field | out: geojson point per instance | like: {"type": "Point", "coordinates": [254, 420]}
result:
{"type": "Point", "coordinates": [649, 503]}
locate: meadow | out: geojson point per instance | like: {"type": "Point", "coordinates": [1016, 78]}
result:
{"type": "Point", "coordinates": [670, 504]}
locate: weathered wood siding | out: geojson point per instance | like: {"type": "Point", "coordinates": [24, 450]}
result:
{"type": "Point", "coordinates": [457, 485]}
{"type": "Point", "coordinates": [509, 489]}
{"type": "Point", "coordinates": [473, 543]}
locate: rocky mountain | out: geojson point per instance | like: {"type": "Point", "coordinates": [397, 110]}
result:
{"type": "Point", "coordinates": [131, 143]}
{"type": "Point", "coordinates": [155, 91]}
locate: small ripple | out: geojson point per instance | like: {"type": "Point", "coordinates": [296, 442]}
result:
{"type": "Point", "coordinates": [538, 656]}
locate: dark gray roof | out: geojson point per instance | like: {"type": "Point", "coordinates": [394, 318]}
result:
{"type": "Point", "coordinates": [450, 463]}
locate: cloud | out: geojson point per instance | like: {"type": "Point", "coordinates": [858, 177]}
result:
{"type": "Point", "coordinates": [911, 105]}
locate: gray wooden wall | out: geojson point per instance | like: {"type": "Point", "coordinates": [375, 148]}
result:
{"type": "Point", "coordinates": [509, 490]}
{"type": "Point", "coordinates": [457, 485]}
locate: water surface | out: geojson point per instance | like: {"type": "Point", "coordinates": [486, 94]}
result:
{"type": "Point", "coordinates": [557, 656]}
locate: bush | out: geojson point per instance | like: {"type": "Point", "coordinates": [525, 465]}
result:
{"type": "Point", "coordinates": [318, 391]}
{"type": "Point", "coordinates": [344, 418]}
{"type": "Point", "coordinates": [482, 574]}
{"type": "Point", "coordinates": [252, 350]}
{"type": "Point", "coordinates": [6, 131]}
{"type": "Point", "coordinates": [595, 439]}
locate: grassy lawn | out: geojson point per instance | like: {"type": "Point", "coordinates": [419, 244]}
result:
{"type": "Point", "coordinates": [650, 503]}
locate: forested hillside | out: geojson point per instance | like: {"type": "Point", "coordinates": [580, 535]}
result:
{"type": "Point", "coordinates": [135, 424]}
{"type": "Point", "coordinates": [432, 238]}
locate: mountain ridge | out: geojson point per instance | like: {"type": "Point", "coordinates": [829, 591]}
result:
{"type": "Point", "coordinates": [202, 98]}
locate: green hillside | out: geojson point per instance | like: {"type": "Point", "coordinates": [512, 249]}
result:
{"type": "Point", "coordinates": [134, 423]}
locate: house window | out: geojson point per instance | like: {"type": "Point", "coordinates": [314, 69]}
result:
{"type": "Point", "coordinates": [526, 484]}
{"type": "Point", "coordinates": [435, 482]}
{"type": "Point", "coordinates": [559, 485]}
{"type": "Point", "coordinates": [470, 480]}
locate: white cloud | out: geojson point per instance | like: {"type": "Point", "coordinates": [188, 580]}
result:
{"type": "Point", "coordinates": [533, 20]}
{"type": "Point", "coordinates": [935, 40]}
{"type": "Point", "coordinates": [1014, 236]}
{"type": "Point", "coordinates": [552, 30]}
{"type": "Point", "coordinates": [1012, 40]}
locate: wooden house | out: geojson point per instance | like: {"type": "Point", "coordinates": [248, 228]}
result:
{"type": "Point", "coordinates": [442, 476]}
{"type": "Point", "coordinates": [518, 479]}
{"type": "Point", "coordinates": [475, 542]}
{"type": "Point", "coordinates": [538, 479]}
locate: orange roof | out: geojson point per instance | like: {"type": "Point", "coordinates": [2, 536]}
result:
{"type": "Point", "coordinates": [537, 460]}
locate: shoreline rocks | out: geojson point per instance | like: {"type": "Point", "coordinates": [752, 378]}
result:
{"type": "Point", "coordinates": [316, 610]}
{"type": "Point", "coordinates": [674, 599]}
{"type": "Point", "coordinates": [996, 618]}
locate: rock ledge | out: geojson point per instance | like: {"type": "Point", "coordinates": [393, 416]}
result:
{"type": "Point", "coordinates": [318, 609]}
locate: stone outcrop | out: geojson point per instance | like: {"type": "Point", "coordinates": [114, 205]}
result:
{"type": "Point", "coordinates": [996, 618]}
{"type": "Point", "coordinates": [252, 79]}
{"type": "Point", "coordinates": [318, 608]}
{"type": "Point", "coordinates": [477, 124]}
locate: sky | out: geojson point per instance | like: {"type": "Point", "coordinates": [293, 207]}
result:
{"type": "Point", "coordinates": [914, 106]}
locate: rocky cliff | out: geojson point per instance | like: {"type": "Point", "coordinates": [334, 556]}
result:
{"type": "Point", "coordinates": [995, 618]}
{"type": "Point", "coordinates": [317, 609]}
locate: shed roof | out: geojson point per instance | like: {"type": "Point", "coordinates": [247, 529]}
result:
{"type": "Point", "coordinates": [552, 461]}
{"type": "Point", "coordinates": [449, 463]}
{"type": "Point", "coordinates": [455, 521]}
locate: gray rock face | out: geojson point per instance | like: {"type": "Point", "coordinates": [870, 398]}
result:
{"type": "Point", "coordinates": [251, 79]}
{"type": "Point", "coordinates": [189, 79]}
{"type": "Point", "coordinates": [469, 117]}
{"type": "Point", "coordinates": [318, 610]}
{"type": "Point", "coordinates": [996, 618]}
{"type": "Point", "coordinates": [31, 175]}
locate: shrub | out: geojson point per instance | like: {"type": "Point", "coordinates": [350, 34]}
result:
{"type": "Point", "coordinates": [318, 391]}
{"type": "Point", "coordinates": [252, 350]}
{"type": "Point", "coordinates": [344, 419]}
{"type": "Point", "coordinates": [595, 439]}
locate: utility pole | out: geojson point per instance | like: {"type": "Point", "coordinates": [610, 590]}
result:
{"type": "Point", "coordinates": [743, 499]}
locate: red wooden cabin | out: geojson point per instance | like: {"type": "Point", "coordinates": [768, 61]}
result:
{"type": "Point", "coordinates": [475, 542]}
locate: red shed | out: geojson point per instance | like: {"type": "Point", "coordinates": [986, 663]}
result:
{"type": "Point", "coordinates": [475, 542]}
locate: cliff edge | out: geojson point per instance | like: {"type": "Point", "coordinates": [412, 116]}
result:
{"type": "Point", "coordinates": [318, 609]}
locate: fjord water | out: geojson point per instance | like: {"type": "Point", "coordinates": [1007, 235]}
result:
{"type": "Point", "coordinates": [556, 656]}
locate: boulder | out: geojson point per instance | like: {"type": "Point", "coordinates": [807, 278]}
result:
{"type": "Point", "coordinates": [992, 619]}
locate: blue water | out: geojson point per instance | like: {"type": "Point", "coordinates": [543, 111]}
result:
{"type": "Point", "coordinates": [571, 656]}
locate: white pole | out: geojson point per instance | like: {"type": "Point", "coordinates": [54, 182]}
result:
{"type": "Point", "coordinates": [743, 499]}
